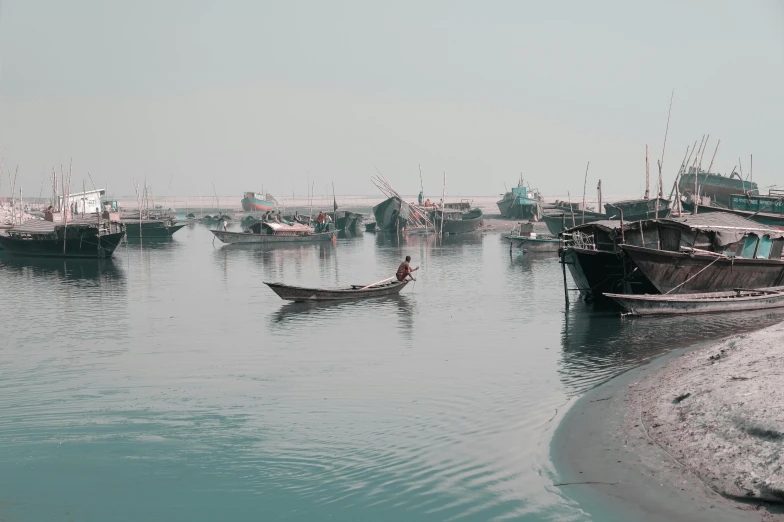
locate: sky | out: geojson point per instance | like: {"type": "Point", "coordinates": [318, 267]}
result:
{"type": "Point", "coordinates": [286, 95]}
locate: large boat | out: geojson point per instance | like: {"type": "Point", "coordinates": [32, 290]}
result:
{"type": "Point", "coordinates": [266, 232]}
{"type": "Point", "coordinates": [255, 202]}
{"type": "Point", "coordinates": [86, 236]}
{"type": "Point", "coordinates": [715, 186]}
{"type": "Point", "coordinates": [521, 203]}
{"type": "Point", "coordinates": [702, 253]}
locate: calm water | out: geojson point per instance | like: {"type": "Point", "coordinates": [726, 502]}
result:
{"type": "Point", "coordinates": [171, 384]}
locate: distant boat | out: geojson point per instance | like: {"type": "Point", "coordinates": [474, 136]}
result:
{"type": "Point", "coordinates": [253, 202]}
{"type": "Point", "coordinates": [708, 302]}
{"type": "Point", "coordinates": [77, 238]}
{"type": "Point", "coordinates": [266, 232]}
{"type": "Point", "coordinates": [521, 203]}
{"type": "Point", "coordinates": [715, 186]}
{"type": "Point", "coordinates": [298, 293]}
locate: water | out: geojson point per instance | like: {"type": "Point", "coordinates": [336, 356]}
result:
{"type": "Point", "coordinates": [171, 384]}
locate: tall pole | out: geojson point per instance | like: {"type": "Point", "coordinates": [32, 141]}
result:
{"type": "Point", "coordinates": [647, 175]}
{"type": "Point", "coordinates": [667, 128]}
{"type": "Point", "coordinates": [599, 188]}
{"type": "Point", "coordinates": [585, 185]}
{"type": "Point", "coordinates": [443, 201]}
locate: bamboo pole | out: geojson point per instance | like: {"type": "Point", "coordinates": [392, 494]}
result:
{"type": "Point", "coordinates": [585, 186]}
{"type": "Point", "coordinates": [443, 201]}
{"type": "Point", "coordinates": [667, 128]}
{"type": "Point", "coordinates": [647, 175]}
{"type": "Point", "coordinates": [378, 283]}
{"type": "Point", "coordinates": [697, 199]}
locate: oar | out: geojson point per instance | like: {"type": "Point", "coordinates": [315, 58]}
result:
{"type": "Point", "coordinates": [374, 284]}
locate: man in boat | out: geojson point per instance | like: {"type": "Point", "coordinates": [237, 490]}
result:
{"type": "Point", "coordinates": [320, 221]}
{"type": "Point", "coordinates": [420, 198]}
{"type": "Point", "coordinates": [405, 270]}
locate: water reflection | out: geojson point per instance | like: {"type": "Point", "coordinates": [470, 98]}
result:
{"type": "Point", "coordinates": [598, 344]}
{"type": "Point", "coordinates": [295, 315]}
{"type": "Point", "coordinates": [97, 271]}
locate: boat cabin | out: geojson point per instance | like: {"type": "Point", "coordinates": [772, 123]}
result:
{"type": "Point", "coordinates": [88, 202]}
{"type": "Point", "coordinates": [727, 234]}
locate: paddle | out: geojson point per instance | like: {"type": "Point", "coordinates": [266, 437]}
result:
{"type": "Point", "coordinates": [378, 283]}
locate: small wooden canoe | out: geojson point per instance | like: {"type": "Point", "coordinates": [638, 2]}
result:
{"type": "Point", "coordinates": [740, 299]}
{"type": "Point", "coordinates": [298, 293]}
{"type": "Point", "coordinates": [535, 244]}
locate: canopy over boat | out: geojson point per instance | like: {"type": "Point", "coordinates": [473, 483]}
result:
{"type": "Point", "coordinates": [280, 229]}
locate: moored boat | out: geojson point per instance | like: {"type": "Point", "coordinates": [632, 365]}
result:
{"type": "Point", "coordinates": [717, 187]}
{"type": "Point", "coordinates": [767, 210]}
{"type": "Point", "coordinates": [707, 302]}
{"type": "Point", "coordinates": [638, 209]}
{"type": "Point", "coordinates": [524, 238]}
{"type": "Point", "coordinates": [298, 293]}
{"type": "Point", "coordinates": [558, 221]}
{"type": "Point", "coordinates": [151, 228]}
{"type": "Point", "coordinates": [456, 221]}
{"type": "Point", "coordinates": [273, 232]}
{"type": "Point", "coordinates": [81, 237]}
{"type": "Point", "coordinates": [521, 203]}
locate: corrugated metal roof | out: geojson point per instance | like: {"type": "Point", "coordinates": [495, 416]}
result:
{"type": "Point", "coordinates": [40, 226]}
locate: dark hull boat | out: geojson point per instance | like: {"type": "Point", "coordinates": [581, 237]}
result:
{"type": "Point", "coordinates": [457, 222]}
{"type": "Point", "coordinates": [348, 221]}
{"type": "Point", "coordinates": [715, 186]}
{"type": "Point", "coordinates": [768, 210]}
{"type": "Point", "coordinates": [74, 239]}
{"type": "Point", "coordinates": [709, 302]}
{"type": "Point", "coordinates": [151, 228]}
{"type": "Point", "coordinates": [638, 209]}
{"type": "Point", "coordinates": [298, 293]}
{"type": "Point", "coordinates": [682, 272]}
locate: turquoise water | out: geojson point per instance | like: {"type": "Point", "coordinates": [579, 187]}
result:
{"type": "Point", "coordinates": [171, 384]}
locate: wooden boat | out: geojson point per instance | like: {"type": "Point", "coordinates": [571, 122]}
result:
{"type": "Point", "coordinates": [557, 222]}
{"type": "Point", "coordinates": [151, 228]}
{"type": "Point", "coordinates": [266, 232]}
{"type": "Point", "coordinates": [457, 221]}
{"type": "Point", "coordinates": [524, 238]}
{"type": "Point", "coordinates": [637, 209]}
{"type": "Point", "coordinates": [298, 293]}
{"type": "Point", "coordinates": [715, 186]}
{"type": "Point", "coordinates": [256, 202]}
{"type": "Point", "coordinates": [708, 302]}
{"type": "Point", "coordinates": [78, 238]}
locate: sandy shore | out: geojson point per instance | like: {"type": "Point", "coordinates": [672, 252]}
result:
{"type": "Point", "coordinates": [719, 412]}
{"type": "Point", "coordinates": [626, 451]}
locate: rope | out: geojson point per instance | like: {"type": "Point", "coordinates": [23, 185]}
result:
{"type": "Point", "coordinates": [695, 275]}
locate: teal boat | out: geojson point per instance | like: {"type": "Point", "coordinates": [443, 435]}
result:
{"type": "Point", "coordinates": [767, 210]}
{"type": "Point", "coordinates": [521, 203]}
{"type": "Point", "coordinates": [716, 186]}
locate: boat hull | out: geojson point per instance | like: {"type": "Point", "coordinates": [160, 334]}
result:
{"type": "Point", "coordinates": [256, 205]}
{"type": "Point", "coordinates": [712, 302]}
{"type": "Point", "coordinates": [151, 230]}
{"type": "Point", "coordinates": [597, 272]}
{"type": "Point", "coordinates": [297, 293]}
{"type": "Point", "coordinates": [680, 273]}
{"type": "Point", "coordinates": [84, 246]}
{"type": "Point", "coordinates": [244, 237]}
{"type": "Point", "coordinates": [462, 226]}
{"type": "Point", "coordinates": [519, 208]}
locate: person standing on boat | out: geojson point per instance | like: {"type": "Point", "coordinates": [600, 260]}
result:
{"type": "Point", "coordinates": [225, 224]}
{"type": "Point", "coordinates": [320, 221]}
{"type": "Point", "coordinates": [405, 270]}
{"type": "Point", "coordinates": [421, 198]}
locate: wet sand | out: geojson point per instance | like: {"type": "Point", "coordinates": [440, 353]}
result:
{"type": "Point", "coordinates": [614, 468]}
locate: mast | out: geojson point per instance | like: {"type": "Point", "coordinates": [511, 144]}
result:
{"type": "Point", "coordinates": [647, 175]}
{"type": "Point", "coordinates": [599, 189]}
{"type": "Point", "coordinates": [585, 185]}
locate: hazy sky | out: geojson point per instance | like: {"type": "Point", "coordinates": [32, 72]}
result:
{"type": "Point", "coordinates": [248, 94]}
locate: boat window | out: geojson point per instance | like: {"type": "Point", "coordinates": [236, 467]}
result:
{"type": "Point", "coordinates": [749, 246]}
{"type": "Point", "coordinates": [670, 239]}
{"type": "Point", "coordinates": [765, 244]}
{"type": "Point", "coordinates": [776, 248]}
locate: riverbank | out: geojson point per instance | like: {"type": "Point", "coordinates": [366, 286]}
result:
{"type": "Point", "coordinates": [627, 445]}
{"type": "Point", "coordinates": [719, 411]}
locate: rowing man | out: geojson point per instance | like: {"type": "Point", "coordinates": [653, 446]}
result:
{"type": "Point", "coordinates": [405, 270]}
